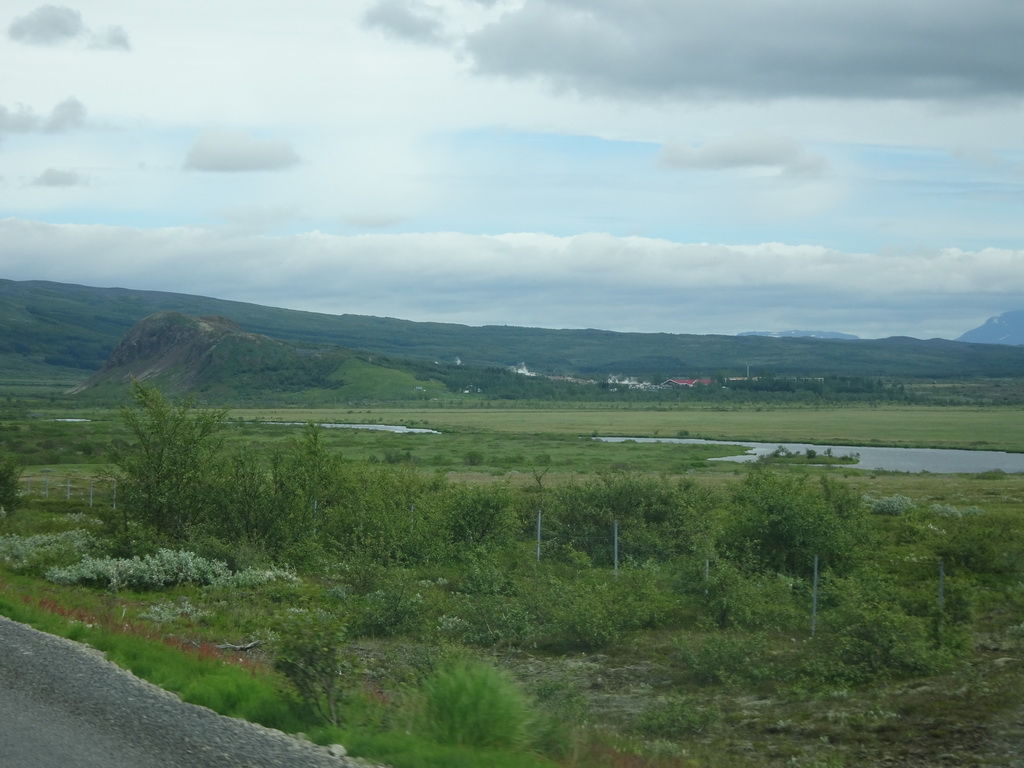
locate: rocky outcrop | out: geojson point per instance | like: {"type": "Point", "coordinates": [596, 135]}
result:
{"type": "Point", "coordinates": [169, 345]}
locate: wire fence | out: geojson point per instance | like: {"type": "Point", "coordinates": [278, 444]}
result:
{"type": "Point", "coordinates": [102, 491]}
{"type": "Point", "coordinates": [94, 491]}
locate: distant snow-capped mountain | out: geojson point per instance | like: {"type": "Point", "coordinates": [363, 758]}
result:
{"type": "Point", "coordinates": [1007, 328]}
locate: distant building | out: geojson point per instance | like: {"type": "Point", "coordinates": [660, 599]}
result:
{"type": "Point", "coordinates": [687, 383]}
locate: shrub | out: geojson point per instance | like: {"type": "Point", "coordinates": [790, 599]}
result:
{"type": "Point", "coordinates": [868, 637]}
{"type": "Point", "coordinates": [170, 610]}
{"type": "Point", "coordinates": [10, 476]}
{"type": "Point", "coordinates": [474, 704]}
{"type": "Point", "coordinates": [396, 607]}
{"type": "Point", "coordinates": [44, 550]}
{"type": "Point", "coordinates": [582, 615]}
{"type": "Point", "coordinates": [676, 717]}
{"type": "Point", "coordinates": [165, 568]}
{"type": "Point", "coordinates": [780, 522]}
{"type": "Point", "coordinates": [487, 621]}
{"type": "Point", "coordinates": [311, 653]}
{"type": "Point", "coordinates": [729, 658]}
{"type": "Point", "coordinates": [734, 599]}
{"type": "Point", "coordinates": [893, 506]}
{"type": "Point", "coordinates": [948, 510]}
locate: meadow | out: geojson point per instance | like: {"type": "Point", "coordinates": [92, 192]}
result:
{"type": "Point", "coordinates": [691, 643]}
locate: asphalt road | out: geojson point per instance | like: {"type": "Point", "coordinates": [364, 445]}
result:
{"type": "Point", "coordinates": [63, 706]}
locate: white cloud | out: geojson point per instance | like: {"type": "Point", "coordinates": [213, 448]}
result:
{"type": "Point", "coordinates": [738, 49]}
{"type": "Point", "coordinates": [53, 177]}
{"type": "Point", "coordinates": [47, 25]}
{"type": "Point", "coordinates": [594, 280]}
{"type": "Point", "coordinates": [754, 151]}
{"type": "Point", "coordinates": [676, 121]}
{"type": "Point", "coordinates": [407, 19]}
{"type": "Point", "coordinates": [52, 25]}
{"type": "Point", "coordinates": [232, 151]}
{"type": "Point", "coordinates": [65, 116]}
{"type": "Point", "coordinates": [111, 38]}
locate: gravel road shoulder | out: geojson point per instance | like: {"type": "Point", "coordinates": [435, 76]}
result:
{"type": "Point", "coordinates": [62, 703]}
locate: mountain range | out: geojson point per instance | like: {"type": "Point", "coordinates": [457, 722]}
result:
{"type": "Point", "coordinates": [800, 334]}
{"type": "Point", "coordinates": [73, 330]}
{"type": "Point", "coordinates": [1007, 328]}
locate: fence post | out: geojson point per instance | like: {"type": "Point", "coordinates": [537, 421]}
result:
{"type": "Point", "coordinates": [814, 598]}
{"type": "Point", "coordinates": [46, 487]}
{"type": "Point", "coordinates": [942, 586]}
{"type": "Point", "coordinates": [67, 497]}
{"type": "Point", "coordinates": [538, 535]}
{"type": "Point", "coordinates": [90, 492]}
{"type": "Point", "coordinates": [615, 536]}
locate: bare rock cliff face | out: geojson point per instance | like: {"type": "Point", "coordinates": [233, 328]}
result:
{"type": "Point", "coordinates": [167, 344]}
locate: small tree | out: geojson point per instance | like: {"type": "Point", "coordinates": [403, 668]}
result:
{"type": "Point", "coordinates": [10, 476]}
{"type": "Point", "coordinates": [312, 655]}
{"type": "Point", "coordinates": [779, 522]}
{"type": "Point", "coordinates": [166, 472]}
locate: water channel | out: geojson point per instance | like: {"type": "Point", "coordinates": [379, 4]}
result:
{"type": "Point", "coordinates": [936, 460]}
{"type": "Point", "coordinates": [379, 427]}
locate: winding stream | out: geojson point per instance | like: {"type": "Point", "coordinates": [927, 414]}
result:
{"type": "Point", "coordinates": [936, 460]}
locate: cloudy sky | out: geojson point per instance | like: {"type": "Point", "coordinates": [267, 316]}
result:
{"type": "Point", "coordinates": [682, 166]}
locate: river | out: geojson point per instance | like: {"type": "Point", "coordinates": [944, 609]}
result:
{"type": "Point", "coordinates": [936, 460]}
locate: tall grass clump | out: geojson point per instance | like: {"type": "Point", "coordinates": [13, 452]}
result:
{"type": "Point", "coordinates": [475, 704]}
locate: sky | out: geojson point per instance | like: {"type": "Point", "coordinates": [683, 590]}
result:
{"type": "Point", "coordinates": [679, 166]}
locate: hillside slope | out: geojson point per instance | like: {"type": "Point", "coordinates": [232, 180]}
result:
{"type": "Point", "coordinates": [215, 358]}
{"type": "Point", "coordinates": [77, 326]}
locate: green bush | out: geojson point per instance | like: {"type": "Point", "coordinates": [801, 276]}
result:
{"type": "Point", "coordinates": [10, 479]}
{"type": "Point", "coordinates": [729, 658]}
{"type": "Point", "coordinates": [475, 704]}
{"type": "Point", "coordinates": [395, 607]}
{"type": "Point", "coordinates": [868, 636]}
{"type": "Point", "coordinates": [581, 614]}
{"type": "Point", "coordinates": [490, 621]}
{"type": "Point", "coordinates": [779, 523]}
{"type": "Point", "coordinates": [311, 652]}
{"type": "Point", "coordinates": [732, 598]}
{"type": "Point", "coordinates": [677, 717]}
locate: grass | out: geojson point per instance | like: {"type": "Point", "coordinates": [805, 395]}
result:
{"type": "Point", "coordinates": [199, 674]}
{"type": "Point", "coordinates": [910, 721]}
{"type": "Point", "coordinates": [906, 426]}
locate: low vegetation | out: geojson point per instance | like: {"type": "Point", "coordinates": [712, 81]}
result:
{"type": "Point", "coordinates": [785, 613]}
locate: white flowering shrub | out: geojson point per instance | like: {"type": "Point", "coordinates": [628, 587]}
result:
{"type": "Point", "coordinates": [948, 510]}
{"type": "Point", "coordinates": [45, 549]}
{"type": "Point", "coordinates": [165, 568]}
{"type": "Point", "coordinates": [169, 610]}
{"type": "Point", "coordinates": [255, 577]}
{"type": "Point", "coordinates": [890, 505]}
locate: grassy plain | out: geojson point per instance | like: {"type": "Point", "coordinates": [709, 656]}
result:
{"type": "Point", "coordinates": [970, 714]}
{"type": "Point", "coordinates": [932, 427]}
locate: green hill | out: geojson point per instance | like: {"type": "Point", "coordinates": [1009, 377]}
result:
{"type": "Point", "coordinates": [69, 327]}
{"type": "Point", "coordinates": [214, 358]}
